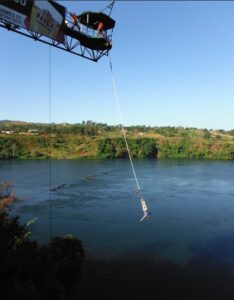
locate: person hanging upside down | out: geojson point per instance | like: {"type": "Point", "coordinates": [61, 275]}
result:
{"type": "Point", "coordinates": [145, 210]}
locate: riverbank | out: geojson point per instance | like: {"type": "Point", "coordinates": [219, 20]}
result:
{"type": "Point", "coordinates": [100, 141]}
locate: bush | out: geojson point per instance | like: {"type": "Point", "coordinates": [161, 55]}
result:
{"type": "Point", "coordinates": [116, 148]}
{"type": "Point", "coordinates": [30, 271]}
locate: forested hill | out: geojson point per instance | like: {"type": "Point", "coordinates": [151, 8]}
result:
{"type": "Point", "coordinates": [23, 140]}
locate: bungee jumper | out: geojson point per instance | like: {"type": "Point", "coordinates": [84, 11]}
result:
{"type": "Point", "coordinates": [145, 210]}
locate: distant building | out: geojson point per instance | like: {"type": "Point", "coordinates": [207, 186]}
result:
{"type": "Point", "coordinates": [33, 131]}
{"type": "Point", "coordinates": [7, 131]}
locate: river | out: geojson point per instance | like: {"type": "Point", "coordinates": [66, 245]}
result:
{"type": "Point", "coordinates": [191, 204]}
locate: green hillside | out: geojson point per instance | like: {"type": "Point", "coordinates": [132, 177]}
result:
{"type": "Point", "coordinates": [23, 140]}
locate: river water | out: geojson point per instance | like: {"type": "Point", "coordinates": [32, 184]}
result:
{"type": "Point", "coordinates": [191, 202]}
{"type": "Point", "coordinates": [186, 249]}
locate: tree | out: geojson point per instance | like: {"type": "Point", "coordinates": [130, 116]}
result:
{"type": "Point", "coordinates": [120, 149]}
{"type": "Point", "coordinates": [30, 271]}
{"type": "Point", "coordinates": [106, 149]}
{"type": "Point", "coordinates": [147, 149]}
{"type": "Point", "coordinates": [231, 155]}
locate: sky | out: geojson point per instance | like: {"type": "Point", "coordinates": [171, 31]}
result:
{"type": "Point", "coordinates": [173, 64]}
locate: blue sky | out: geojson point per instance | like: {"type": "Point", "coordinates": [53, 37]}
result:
{"type": "Point", "coordinates": [173, 64]}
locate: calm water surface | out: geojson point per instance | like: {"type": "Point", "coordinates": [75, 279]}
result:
{"type": "Point", "coordinates": [192, 206]}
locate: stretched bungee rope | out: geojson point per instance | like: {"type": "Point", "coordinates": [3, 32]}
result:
{"type": "Point", "coordinates": [143, 203]}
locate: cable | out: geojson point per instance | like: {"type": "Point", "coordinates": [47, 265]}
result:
{"type": "Point", "coordinates": [146, 213]}
{"type": "Point", "coordinates": [122, 126]}
{"type": "Point", "coordinates": [50, 144]}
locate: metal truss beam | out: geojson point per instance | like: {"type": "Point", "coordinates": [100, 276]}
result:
{"type": "Point", "coordinates": [69, 45]}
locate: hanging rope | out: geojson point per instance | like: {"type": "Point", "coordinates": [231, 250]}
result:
{"type": "Point", "coordinates": [146, 213]}
{"type": "Point", "coordinates": [50, 161]}
{"type": "Point", "coordinates": [143, 203]}
{"type": "Point", "coordinates": [122, 127]}
{"type": "Point", "coordinates": [142, 200]}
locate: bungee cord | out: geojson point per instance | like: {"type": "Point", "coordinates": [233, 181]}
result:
{"type": "Point", "coordinates": [122, 127]}
{"type": "Point", "coordinates": [143, 203]}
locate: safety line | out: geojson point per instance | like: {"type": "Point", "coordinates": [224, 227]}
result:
{"type": "Point", "coordinates": [50, 145]}
{"type": "Point", "coordinates": [122, 126]}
